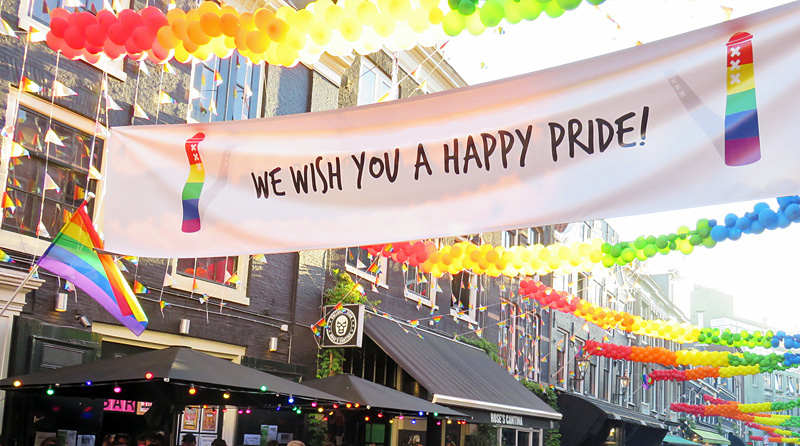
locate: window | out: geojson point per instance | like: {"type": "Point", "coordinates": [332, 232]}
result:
{"type": "Point", "coordinates": [420, 286]}
{"type": "Point", "coordinates": [768, 381]}
{"type": "Point", "coordinates": [561, 346]}
{"type": "Point", "coordinates": [47, 186]}
{"type": "Point", "coordinates": [373, 83]}
{"type": "Point", "coordinates": [466, 294]}
{"type": "Point", "coordinates": [225, 90]}
{"type": "Point", "coordinates": [212, 269]}
{"type": "Point", "coordinates": [36, 14]}
{"type": "Point", "coordinates": [358, 261]}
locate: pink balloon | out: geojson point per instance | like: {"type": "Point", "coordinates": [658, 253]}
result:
{"type": "Point", "coordinates": [74, 38]}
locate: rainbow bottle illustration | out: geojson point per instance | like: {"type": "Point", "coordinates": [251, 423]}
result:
{"type": "Point", "coordinates": [742, 144]}
{"type": "Point", "coordinates": [194, 185]}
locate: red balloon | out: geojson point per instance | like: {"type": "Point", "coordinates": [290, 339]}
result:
{"type": "Point", "coordinates": [138, 57]}
{"type": "Point", "coordinates": [112, 50]}
{"type": "Point", "coordinates": [156, 22]}
{"type": "Point", "coordinates": [54, 42]}
{"type": "Point", "coordinates": [58, 26]}
{"type": "Point", "coordinates": [132, 48]}
{"type": "Point", "coordinates": [106, 18]}
{"type": "Point", "coordinates": [158, 54]}
{"type": "Point", "coordinates": [150, 11]}
{"type": "Point", "coordinates": [69, 53]}
{"type": "Point", "coordinates": [59, 13]}
{"type": "Point", "coordinates": [85, 19]}
{"type": "Point", "coordinates": [118, 34]}
{"type": "Point", "coordinates": [91, 58]}
{"type": "Point", "coordinates": [130, 20]}
{"type": "Point", "coordinates": [143, 38]}
{"type": "Point", "coordinates": [92, 49]}
{"type": "Point", "coordinates": [95, 35]}
{"type": "Point", "coordinates": [74, 38]}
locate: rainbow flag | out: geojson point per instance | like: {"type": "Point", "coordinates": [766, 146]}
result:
{"type": "Point", "coordinates": [73, 256]}
{"type": "Point", "coordinates": [339, 306]}
{"type": "Point", "coordinates": [138, 288]}
{"type": "Point", "coordinates": [437, 319]}
{"type": "Point", "coordinates": [413, 322]}
{"type": "Point", "coordinates": [321, 323]}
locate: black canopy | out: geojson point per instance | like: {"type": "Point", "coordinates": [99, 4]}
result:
{"type": "Point", "coordinates": [367, 393]}
{"type": "Point", "coordinates": [167, 376]}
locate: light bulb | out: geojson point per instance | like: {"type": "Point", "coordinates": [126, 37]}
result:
{"type": "Point", "coordinates": [88, 383]}
{"type": "Point", "coordinates": [17, 383]}
{"type": "Point", "coordinates": [291, 399]}
{"type": "Point", "coordinates": [148, 375]}
{"type": "Point", "coordinates": [226, 395]}
{"type": "Point", "coordinates": [50, 391]}
{"type": "Point", "coordinates": [192, 390]}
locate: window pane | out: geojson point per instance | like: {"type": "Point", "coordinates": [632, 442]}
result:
{"type": "Point", "coordinates": [212, 269]}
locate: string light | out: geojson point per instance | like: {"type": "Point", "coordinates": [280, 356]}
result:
{"type": "Point", "coordinates": [291, 399]}
{"type": "Point", "coordinates": [380, 414]}
{"type": "Point", "coordinates": [192, 390]}
{"type": "Point", "coordinates": [400, 417]}
{"type": "Point", "coordinates": [413, 421]}
{"type": "Point", "coordinates": [50, 391]}
{"type": "Point", "coordinates": [148, 375]}
{"type": "Point", "coordinates": [436, 414]}
{"type": "Point", "coordinates": [335, 406]}
{"type": "Point", "coordinates": [366, 418]}
{"type": "Point", "coordinates": [264, 389]}
{"type": "Point", "coordinates": [449, 421]}
{"type": "Point", "coordinates": [349, 405]}
{"type": "Point", "coordinates": [240, 411]}
{"type": "Point", "coordinates": [421, 413]}
{"type": "Point", "coordinates": [320, 410]}
{"type": "Point", "coordinates": [278, 408]}
{"type": "Point", "coordinates": [357, 405]}
{"type": "Point", "coordinates": [226, 395]}
{"type": "Point", "coordinates": [247, 411]}
{"type": "Point", "coordinates": [117, 388]}
{"type": "Point", "coordinates": [88, 383]}
{"type": "Point", "coordinates": [17, 383]}
{"type": "Point", "coordinates": [313, 404]}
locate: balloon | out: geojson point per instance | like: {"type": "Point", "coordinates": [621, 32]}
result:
{"type": "Point", "coordinates": [143, 38]}
{"type": "Point", "coordinates": [568, 5]}
{"type": "Point", "coordinates": [210, 23]}
{"type": "Point", "coordinates": [530, 9]}
{"type": "Point", "coordinates": [74, 38]}
{"type": "Point", "coordinates": [436, 16]}
{"type": "Point", "coordinates": [466, 7]}
{"type": "Point", "coordinates": [512, 12]}
{"type": "Point", "coordinates": [166, 38]}
{"type": "Point", "coordinates": [320, 34]}
{"type": "Point", "coordinates": [229, 24]}
{"type": "Point", "coordinates": [351, 29]}
{"type": "Point", "coordinates": [58, 26]}
{"type": "Point", "coordinates": [400, 9]}
{"type": "Point", "coordinates": [491, 13]}
{"type": "Point", "coordinates": [94, 35]}
{"type": "Point", "coordinates": [277, 29]}
{"type": "Point", "coordinates": [384, 25]}
{"type": "Point", "coordinates": [118, 34]}
{"type": "Point", "coordinates": [257, 42]}
{"type": "Point", "coordinates": [367, 12]}
{"type": "Point", "coordinates": [195, 33]}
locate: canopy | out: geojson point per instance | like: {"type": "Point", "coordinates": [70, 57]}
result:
{"type": "Point", "coordinates": [367, 393]}
{"type": "Point", "coordinates": [167, 375]}
{"type": "Point", "coordinates": [711, 437]}
{"type": "Point", "coordinates": [455, 373]}
{"type": "Point", "coordinates": [674, 439]}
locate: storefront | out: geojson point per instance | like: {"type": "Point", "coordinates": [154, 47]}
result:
{"type": "Point", "coordinates": [708, 437]}
{"type": "Point", "coordinates": [502, 411]}
{"type": "Point", "coordinates": [593, 422]}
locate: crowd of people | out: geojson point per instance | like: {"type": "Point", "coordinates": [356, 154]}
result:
{"type": "Point", "coordinates": [156, 439]}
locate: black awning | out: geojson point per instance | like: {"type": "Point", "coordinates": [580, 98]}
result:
{"type": "Point", "coordinates": [165, 374]}
{"type": "Point", "coordinates": [455, 373]}
{"type": "Point", "coordinates": [587, 418]}
{"type": "Point", "coordinates": [367, 393]}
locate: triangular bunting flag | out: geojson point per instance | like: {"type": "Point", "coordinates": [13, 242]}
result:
{"type": "Point", "coordinates": [162, 305]}
{"type": "Point", "coordinates": [143, 68]}
{"type": "Point", "coordinates": [172, 5]}
{"type": "Point", "coordinates": [260, 258]}
{"type": "Point", "coordinates": [247, 92]}
{"type": "Point", "coordinates": [138, 112]}
{"type": "Point", "coordinates": [384, 97]}
{"type": "Point", "coordinates": [29, 85]}
{"type": "Point", "coordinates": [100, 130]}
{"type": "Point", "coordinates": [8, 203]}
{"type": "Point", "coordinates": [138, 288]}
{"type": "Point", "coordinates": [94, 174]}
{"type": "Point", "coordinates": [169, 69]}
{"type": "Point", "coordinates": [49, 184]}
{"type": "Point", "coordinates": [5, 257]}
{"type": "Point", "coordinates": [164, 98]}
{"type": "Point", "coordinates": [234, 279]}
{"type": "Point", "coordinates": [8, 31]}
{"type": "Point", "coordinates": [34, 35]}
{"type": "Point", "coordinates": [41, 231]}
{"type": "Point", "coordinates": [52, 138]}
{"type": "Point", "coordinates": [195, 288]}
{"type": "Point", "coordinates": [212, 107]}
{"type": "Point", "coordinates": [217, 78]}
{"type": "Point", "coordinates": [7, 131]}
{"type": "Point", "coordinates": [121, 265]}
{"type": "Point", "coordinates": [17, 150]}
{"type": "Point", "coordinates": [339, 306]}
{"type": "Point", "coordinates": [69, 286]}
{"type": "Point", "coordinates": [111, 104]}
{"type": "Point", "coordinates": [203, 299]}
{"type": "Point", "coordinates": [194, 94]}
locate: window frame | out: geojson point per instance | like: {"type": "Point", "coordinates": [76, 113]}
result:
{"type": "Point", "coordinates": [428, 301]}
{"type": "Point", "coordinates": [26, 21]}
{"type": "Point", "coordinates": [378, 280]}
{"type": "Point", "coordinates": [380, 78]}
{"type": "Point", "coordinates": [469, 314]}
{"type": "Point", "coordinates": [236, 293]}
{"type": "Point", "coordinates": [15, 240]}
{"type": "Point", "coordinates": [255, 83]}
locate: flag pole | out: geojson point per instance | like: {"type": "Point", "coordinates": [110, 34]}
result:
{"type": "Point", "coordinates": [33, 270]}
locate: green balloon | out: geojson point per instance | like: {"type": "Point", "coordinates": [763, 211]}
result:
{"type": "Point", "coordinates": [466, 7]}
{"type": "Point", "coordinates": [608, 261]}
{"type": "Point", "coordinates": [662, 241]}
{"type": "Point", "coordinates": [640, 242]}
{"type": "Point", "coordinates": [453, 23]}
{"type": "Point", "coordinates": [702, 223]}
{"type": "Point", "coordinates": [453, 4]}
{"type": "Point", "coordinates": [709, 242]}
{"type": "Point", "coordinates": [513, 14]}
{"type": "Point", "coordinates": [641, 255]}
{"type": "Point", "coordinates": [474, 25]}
{"type": "Point", "coordinates": [704, 232]}
{"type": "Point", "coordinates": [553, 10]}
{"type": "Point", "coordinates": [621, 261]}
{"type": "Point", "coordinates": [492, 13]}
{"type": "Point", "coordinates": [695, 240]}
{"type": "Point", "coordinates": [595, 2]}
{"type": "Point", "coordinates": [650, 250]}
{"type": "Point", "coordinates": [530, 10]}
{"type": "Point", "coordinates": [615, 251]}
{"type": "Point", "coordinates": [628, 254]}
{"type": "Point", "coordinates": [568, 5]}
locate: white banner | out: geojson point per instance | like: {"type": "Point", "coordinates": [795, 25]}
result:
{"type": "Point", "coordinates": [703, 118]}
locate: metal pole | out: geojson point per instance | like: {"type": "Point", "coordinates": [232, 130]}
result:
{"type": "Point", "coordinates": [19, 288]}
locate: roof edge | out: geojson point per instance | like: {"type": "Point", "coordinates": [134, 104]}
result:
{"type": "Point", "coordinates": [456, 401]}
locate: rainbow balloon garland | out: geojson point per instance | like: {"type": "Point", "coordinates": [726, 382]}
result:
{"type": "Point", "coordinates": [285, 37]}
{"type": "Point", "coordinates": [538, 259]}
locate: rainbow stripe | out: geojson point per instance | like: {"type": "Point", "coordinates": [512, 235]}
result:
{"type": "Point", "coordinates": [742, 143]}
{"type": "Point", "coordinates": [73, 256]}
{"type": "Point", "coordinates": [194, 185]}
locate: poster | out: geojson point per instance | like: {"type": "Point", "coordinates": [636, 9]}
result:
{"type": "Point", "coordinates": [252, 439]}
{"type": "Point", "coordinates": [268, 433]}
{"type": "Point", "coordinates": [67, 438]}
{"type": "Point", "coordinates": [702, 118]}
{"type": "Point", "coordinates": [209, 422]}
{"type": "Point", "coordinates": [41, 436]}
{"type": "Point", "coordinates": [85, 440]}
{"type": "Point", "coordinates": [205, 440]}
{"type": "Point", "coordinates": [190, 420]}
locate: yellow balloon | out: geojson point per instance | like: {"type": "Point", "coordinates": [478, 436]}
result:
{"type": "Point", "coordinates": [367, 12]}
{"type": "Point", "coordinates": [418, 21]}
{"type": "Point", "coordinates": [287, 56]}
{"type": "Point", "coordinates": [247, 21]}
{"type": "Point", "coordinates": [296, 39]}
{"type": "Point", "coordinates": [320, 34]}
{"type": "Point", "coordinates": [384, 25]}
{"type": "Point", "coordinates": [181, 55]}
{"type": "Point", "coordinates": [334, 16]}
{"type": "Point", "coordinates": [302, 20]}
{"type": "Point", "coordinates": [203, 53]}
{"type": "Point", "coordinates": [228, 9]}
{"type": "Point", "coordinates": [429, 4]}
{"type": "Point", "coordinates": [284, 12]}
{"type": "Point", "coordinates": [208, 7]}
{"type": "Point", "coordinates": [351, 29]}
{"type": "Point", "coordinates": [230, 42]}
{"type": "Point", "coordinates": [400, 9]}
{"type": "Point", "coordinates": [474, 24]}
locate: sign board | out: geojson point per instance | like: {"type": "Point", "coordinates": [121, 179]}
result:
{"type": "Point", "coordinates": [344, 326]}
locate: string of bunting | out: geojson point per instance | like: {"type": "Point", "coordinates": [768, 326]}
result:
{"type": "Point", "coordinates": [539, 259]}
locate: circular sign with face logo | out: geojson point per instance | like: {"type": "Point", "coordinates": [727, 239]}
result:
{"type": "Point", "coordinates": [342, 326]}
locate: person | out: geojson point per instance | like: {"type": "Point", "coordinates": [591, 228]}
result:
{"type": "Point", "coordinates": [108, 440]}
{"type": "Point", "coordinates": [49, 441]}
{"type": "Point", "coordinates": [219, 442]}
{"type": "Point", "coordinates": [123, 440]}
{"type": "Point", "coordinates": [295, 443]}
{"type": "Point", "coordinates": [145, 440]}
{"type": "Point", "coordinates": [188, 440]}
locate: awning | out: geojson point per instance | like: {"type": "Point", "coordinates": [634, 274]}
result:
{"type": "Point", "coordinates": [586, 419]}
{"type": "Point", "coordinates": [674, 439]}
{"type": "Point", "coordinates": [459, 375]}
{"type": "Point", "coordinates": [711, 437]}
{"type": "Point", "coordinates": [367, 393]}
{"type": "Point", "coordinates": [167, 375]}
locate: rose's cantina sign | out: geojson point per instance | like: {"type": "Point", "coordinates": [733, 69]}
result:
{"type": "Point", "coordinates": [506, 419]}
{"type": "Point", "coordinates": [136, 407]}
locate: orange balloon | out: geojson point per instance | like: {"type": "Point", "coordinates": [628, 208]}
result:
{"type": "Point", "coordinates": [241, 40]}
{"type": "Point", "coordinates": [262, 18]}
{"type": "Point", "coordinates": [257, 41]}
{"type": "Point", "coordinates": [166, 38]}
{"type": "Point", "coordinates": [210, 23]}
{"type": "Point", "coordinates": [229, 24]}
{"type": "Point", "coordinates": [277, 30]}
{"type": "Point", "coordinates": [196, 34]}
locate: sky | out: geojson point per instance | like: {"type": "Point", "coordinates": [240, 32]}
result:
{"type": "Point", "coordinates": [759, 271]}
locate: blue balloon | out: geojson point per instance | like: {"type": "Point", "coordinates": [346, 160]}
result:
{"type": "Point", "coordinates": [730, 220]}
{"type": "Point", "coordinates": [783, 220]}
{"type": "Point", "coordinates": [756, 227]}
{"type": "Point", "coordinates": [719, 233]}
{"type": "Point", "coordinates": [768, 218]}
{"type": "Point", "coordinates": [780, 334]}
{"type": "Point", "coordinates": [743, 223]}
{"type": "Point", "coordinates": [788, 343]}
{"type": "Point", "coordinates": [712, 223]}
{"type": "Point", "coordinates": [760, 206]}
{"type": "Point", "coordinates": [734, 234]}
{"type": "Point", "coordinates": [785, 201]}
{"type": "Point", "coordinates": [793, 212]}
{"type": "Point", "coordinates": [776, 343]}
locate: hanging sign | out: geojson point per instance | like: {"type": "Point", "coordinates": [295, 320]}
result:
{"type": "Point", "coordinates": [703, 118]}
{"type": "Point", "coordinates": [344, 326]}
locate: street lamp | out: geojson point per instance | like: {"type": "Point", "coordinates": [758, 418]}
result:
{"type": "Point", "coordinates": [583, 364]}
{"type": "Point", "coordinates": [623, 382]}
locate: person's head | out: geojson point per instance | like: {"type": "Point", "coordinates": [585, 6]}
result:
{"type": "Point", "coordinates": [295, 443]}
{"type": "Point", "coordinates": [145, 440]}
{"type": "Point", "coordinates": [123, 440]}
{"type": "Point", "coordinates": [49, 441]}
{"type": "Point", "coordinates": [188, 440]}
{"type": "Point", "coordinates": [218, 442]}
